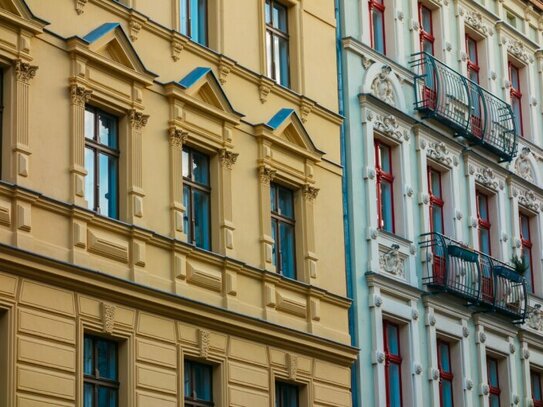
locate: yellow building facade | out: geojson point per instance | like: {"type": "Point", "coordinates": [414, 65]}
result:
{"type": "Point", "coordinates": [121, 255]}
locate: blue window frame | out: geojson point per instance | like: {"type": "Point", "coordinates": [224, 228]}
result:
{"type": "Point", "coordinates": [198, 384]}
{"type": "Point", "coordinates": [283, 223]}
{"type": "Point", "coordinates": [196, 198]}
{"type": "Point", "coordinates": [286, 395]}
{"type": "Point", "coordinates": [277, 42]}
{"type": "Point", "coordinates": [100, 368]}
{"type": "Point", "coordinates": [101, 162]}
{"type": "Point", "coordinates": [193, 20]}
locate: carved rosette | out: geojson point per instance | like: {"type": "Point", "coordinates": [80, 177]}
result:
{"type": "Point", "coordinates": [227, 158]}
{"type": "Point", "coordinates": [266, 175]}
{"type": "Point", "coordinates": [310, 192]}
{"type": "Point", "coordinates": [80, 96]}
{"type": "Point", "coordinates": [24, 71]}
{"type": "Point", "coordinates": [138, 120]}
{"type": "Point", "coordinates": [108, 317]}
{"type": "Point", "coordinates": [382, 88]}
{"type": "Point", "coordinates": [177, 137]}
{"type": "Point", "coordinates": [203, 342]}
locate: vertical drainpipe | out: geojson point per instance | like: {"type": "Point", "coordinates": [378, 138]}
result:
{"type": "Point", "coordinates": [344, 186]}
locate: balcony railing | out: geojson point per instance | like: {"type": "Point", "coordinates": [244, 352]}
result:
{"type": "Point", "coordinates": [482, 280]}
{"type": "Point", "coordinates": [462, 104]}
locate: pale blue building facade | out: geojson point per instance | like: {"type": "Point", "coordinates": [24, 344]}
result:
{"type": "Point", "coordinates": [443, 155]}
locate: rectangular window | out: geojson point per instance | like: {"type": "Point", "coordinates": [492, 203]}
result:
{"type": "Point", "coordinates": [101, 383]}
{"type": "Point", "coordinates": [377, 25]}
{"type": "Point", "coordinates": [198, 384]}
{"type": "Point", "coordinates": [445, 374]}
{"type": "Point", "coordinates": [196, 198]}
{"type": "Point", "coordinates": [526, 240]}
{"type": "Point", "coordinates": [537, 391]}
{"type": "Point", "coordinates": [193, 19]}
{"type": "Point", "coordinates": [493, 382]}
{"type": "Point", "coordinates": [385, 186]}
{"type": "Point", "coordinates": [282, 218]}
{"type": "Point", "coordinates": [436, 201]}
{"type": "Point", "coordinates": [483, 218]}
{"type": "Point", "coordinates": [277, 42]}
{"type": "Point", "coordinates": [475, 96]}
{"type": "Point", "coordinates": [516, 97]}
{"type": "Point", "coordinates": [286, 395]}
{"type": "Point", "coordinates": [393, 364]}
{"type": "Point", "coordinates": [427, 38]}
{"type": "Point", "coordinates": [101, 162]}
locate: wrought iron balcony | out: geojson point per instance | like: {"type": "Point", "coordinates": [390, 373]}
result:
{"type": "Point", "coordinates": [482, 280]}
{"type": "Point", "coordinates": [462, 104]}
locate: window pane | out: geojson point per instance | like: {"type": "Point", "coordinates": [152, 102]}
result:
{"type": "Point", "coordinates": [283, 63]}
{"type": "Point", "coordinates": [386, 206]}
{"type": "Point", "coordinates": [426, 15]}
{"type": "Point", "coordinates": [89, 178]}
{"type": "Point", "coordinates": [188, 378]}
{"type": "Point", "coordinates": [106, 362]}
{"type": "Point", "coordinates": [515, 80]}
{"type": "Point", "coordinates": [269, 54]}
{"type": "Point", "coordinates": [472, 51]}
{"type": "Point", "coordinates": [384, 158]}
{"type": "Point", "coordinates": [392, 339]}
{"type": "Point", "coordinates": [286, 202]}
{"type": "Point", "coordinates": [437, 219]}
{"type": "Point", "coordinates": [517, 113]}
{"type": "Point", "coordinates": [108, 185]}
{"type": "Point", "coordinates": [201, 219]}
{"type": "Point", "coordinates": [484, 241]}
{"type": "Point", "coordinates": [280, 17]}
{"type": "Point", "coordinates": [198, 20]}
{"type": "Point", "coordinates": [202, 382]}
{"type": "Point", "coordinates": [525, 227]}
{"type": "Point", "coordinates": [88, 356]}
{"type": "Point", "coordinates": [185, 163]}
{"type": "Point", "coordinates": [444, 357]}
{"type": "Point", "coordinates": [88, 395]}
{"type": "Point", "coordinates": [492, 372]}
{"type": "Point", "coordinates": [187, 218]}
{"type": "Point", "coordinates": [275, 241]}
{"type": "Point", "coordinates": [378, 31]}
{"type": "Point", "coordinates": [287, 250]}
{"type": "Point", "coordinates": [276, 58]}
{"type": "Point", "coordinates": [273, 197]}
{"type": "Point", "coordinates": [286, 395]}
{"type": "Point", "coordinates": [107, 134]}
{"type": "Point", "coordinates": [267, 12]}
{"type": "Point", "coordinates": [183, 17]}
{"type": "Point", "coordinates": [394, 385]}
{"type": "Point", "coordinates": [89, 124]}
{"type": "Point", "coordinates": [536, 387]}
{"type": "Point", "coordinates": [200, 168]}
{"type": "Point", "coordinates": [483, 206]}
{"type": "Point", "coordinates": [428, 47]}
{"type": "Point", "coordinates": [446, 393]}
{"type": "Point", "coordinates": [435, 182]}
{"type": "Point", "coordinates": [107, 397]}
{"type": "Point", "coordinates": [494, 400]}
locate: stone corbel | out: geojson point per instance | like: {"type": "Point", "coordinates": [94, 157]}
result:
{"type": "Point", "coordinates": [80, 6]}
{"type": "Point", "coordinates": [306, 107]}
{"type": "Point", "coordinates": [265, 87]}
{"type": "Point", "coordinates": [177, 44]}
{"type": "Point", "coordinates": [225, 67]}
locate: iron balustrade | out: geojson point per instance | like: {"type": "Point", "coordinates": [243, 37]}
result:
{"type": "Point", "coordinates": [470, 110]}
{"type": "Point", "coordinates": [453, 267]}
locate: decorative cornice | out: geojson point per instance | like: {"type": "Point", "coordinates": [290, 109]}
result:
{"type": "Point", "coordinates": [24, 71]}
{"type": "Point", "coordinates": [138, 120]}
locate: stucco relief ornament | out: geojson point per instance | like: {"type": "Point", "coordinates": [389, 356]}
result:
{"type": "Point", "coordinates": [484, 389]}
{"type": "Point", "coordinates": [24, 71]}
{"type": "Point", "coordinates": [177, 137]}
{"type": "Point", "coordinates": [486, 177]}
{"type": "Point", "coordinates": [475, 20]}
{"type": "Point", "coordinates": [228, 158]}
{"type": "Point", "coordinates": [391, 262]}
{"type": "Point", "coordinates": [266, 175]}
{"type": "Point", "coordinates": [438, 151]}
{"type": "Point", "coordinates": [79, 95]}
{"type": "Point", "coordinates": [465, 331]}
{"type": "Point", "coordinates": [381, 86]}
{"type": "Point", "coordinates": [389, 126]}
{"type": "Point", "coordinates": [435, 374]}
{"type": "Point", "coordinates": [523, 167]}
{"type": "Point", "coordinates": [108, 317]}
{"type": "Point", "coordinates": [310, 192]}
{"type": "Point", "coordinates": [203, 342]}
{"type": "Point", "coordinates": [469, 384]}
{"type": "Point", "coordinates": [138, 120]}
{"type": "Point", "coordinates": [292, 366]}
{"type": "Point", "coordinates": [535, 318]}
{"type": "Point", "coordinates": [417, 368]}
{"type": "Point", "coordinates": [482, 337]}
{"type": "Point", "coordinates": [379, 356]}
{"type": "Point", "coordinates": [517, 49]}
{"type": "Point", "coordinates": [528, 199]}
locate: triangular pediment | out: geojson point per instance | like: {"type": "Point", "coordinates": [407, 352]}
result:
{"type": "Point", "coordinates": [202, 85]}
{"type": "Point", "coordinates": [287, 126]}
{"type": "Point", "coordinates": [18, 11]}
{"type": "Point", "coordinates": [111, 42]}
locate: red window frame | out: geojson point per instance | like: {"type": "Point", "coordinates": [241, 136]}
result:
{"type": "Point", "coordinates": [484, 224]}
{"type": "Point", "coordinates": [435, 200]}
{"type": "Point", "coordinates": [392, 358]}
{"type": "Point", "coordinates": [384, 177]}
{"type": "Point", "coordinates": [536, 376]}
{"type": "Point", "coordinates": [527, 244]}
{"type": "Point", "coordinates": [444, 375]}
{"type": "Point", "coordinates": [493, 390]}
{"type": "Point", "coordinates": [473, 66]}
{"type": "Point", "coordinates": [379, 5]}
{"type": "Point", "coordinates": [516, 94]}
{"type": "Point", "coordinates": [426, 36]}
